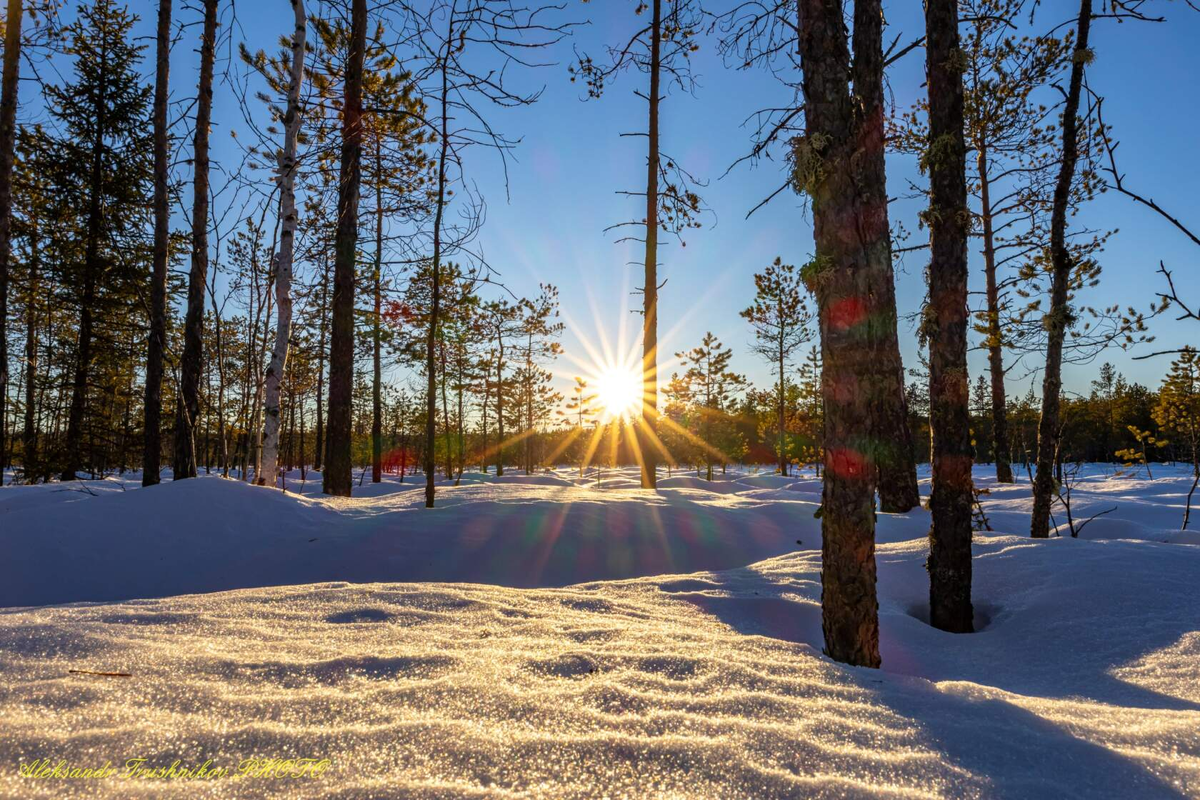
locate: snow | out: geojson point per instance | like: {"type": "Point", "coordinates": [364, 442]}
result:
{"type": "Point", "coordinates": [544, 636]}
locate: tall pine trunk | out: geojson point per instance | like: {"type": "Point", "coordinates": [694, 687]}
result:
{"type": "Point", "coordinates": [192, 361]}
{"type": "Point", "coordinates": [91, 271]}
{"type": "Point", "coordinates": [376, 333]}
{"type": "Point", "coordinates": [319, 432]}
{"type": "Point", "coordinates": [337, 476]}
{"type": "Point", "coordinates": [783, 462]}
{"type": "Point", "coordinates": [8, 138]}
{"type": "Point", "coordinates": [156, 342]}
{"type": "Point", "coordinates": [1000, 445]}
{"type": "Point", "coordinates": [847, 277]}
{"type": "Point", "coordinates": [945, 327]}
{"type": "Point", "coordinates": [29, 458]}
{"type": "Point", "coordinates": [1060, 265]}
{"type": "Point", "coordinates": [283, 258]}
{"type": "Point", "coordinates": [649, 416]}
{"type": "Point", "coordinates": [436, 278]}
{"type": "Point", "coordinates": [895, 460]}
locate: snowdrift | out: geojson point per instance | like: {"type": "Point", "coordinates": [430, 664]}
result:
{"type": "Point", "coordinates": [677, 681]}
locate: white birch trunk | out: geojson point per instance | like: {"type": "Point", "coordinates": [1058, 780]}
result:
{"type": "Point", "coordinates": [283, 259]}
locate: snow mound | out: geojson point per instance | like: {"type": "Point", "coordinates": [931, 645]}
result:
{"type": "Point", "coordinates": [703, 685]}
{"type": "Point", "coordinates": [639, 645]}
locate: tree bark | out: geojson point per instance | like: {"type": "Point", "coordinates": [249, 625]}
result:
{"type": "Point", "coordinates": [8, 138]}
{"type": "Point", "coordinates": [649, 408]}
{"type": "Point", "coordinates": [1061, 265]}
{"type": "Point", "coordinates": [29, 459]}
{"type": "Point", "coordinates": [283, 258]}
{"type": "Point", "coordinates": [191, 364]}
{"type": "Point", "coordinates": [337, 476]}
{"type": "Point", "coordinates": [895, 461]}
{"type": "Point", "coordinates": [376, 350]}
{"type": "Point", "coordinates": [156, 342]}
{"type": "Point", "coordinates": [436, 278]}
{"type": "Point", "coordinates": [1000, 445]}
{"type": "Point", "coordinates": [946, 328]}
{"type": "Point", "coordinates": [845, 278]}
{"type": "Point", "coordinates": [783, 462]}
{"type": "Point", "coordinates": [319, 433]}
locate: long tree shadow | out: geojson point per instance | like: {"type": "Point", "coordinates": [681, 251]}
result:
{"type": "Point", "coordinates": [1023, 754]}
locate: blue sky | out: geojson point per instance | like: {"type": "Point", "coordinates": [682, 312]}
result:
{"type": "Point", "coordinates": [572, 161]}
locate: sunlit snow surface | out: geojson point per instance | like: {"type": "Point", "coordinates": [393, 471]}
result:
{"type": "Point", "coordinates": [1084, 680]}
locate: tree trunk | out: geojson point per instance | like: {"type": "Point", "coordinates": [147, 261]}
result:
{"type": "Point", "coordinates": [283, 258]}
{"type": "Point", "coordinates": [946, 329]}
{"type": "Point", "coordinates": [193, 334]}
{"type": "Point", "coordinates": [783, 461]}
{"type": "Point", "coordinates": [8, 137]}
{"type": "Point", "coordinates": [1061, 264]}
{"type": "Point", "coordinates": [156, 342]}
{"type": "Point", "coordinates": [894, 459]}
{"type": "Point", "coordinates": [500, 411]}
{"type": "Point", "coordinates": [847, 277]}
{"type": "Point", "coordinates": [436, 278]}
{"type": "Point", "coordinates": [377, 359]}
{"type": "Point", "coordinates": [1000, 445]}
{"type": "Point", "coordinates": [649, 416]}
{"type": "Point", "coordinates": [319, 433]}
{"type": "Point", "coordinates": [337, 476]}
{"type": "Point", "coordinates": [29, 459]}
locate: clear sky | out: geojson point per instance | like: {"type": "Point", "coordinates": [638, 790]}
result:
{"type": "Point", "coordinates": [572, 161]}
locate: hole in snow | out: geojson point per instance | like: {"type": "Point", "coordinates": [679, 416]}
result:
{"type": "Point", "coordinates": [984, 614]}
{"type": "Point", "coordinates": [359, 615]}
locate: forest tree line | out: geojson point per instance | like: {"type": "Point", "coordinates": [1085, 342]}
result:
{"type": "Point", "coordinates": [322, 303]}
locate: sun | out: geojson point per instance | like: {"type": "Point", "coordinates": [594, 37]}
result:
{"type": "Point", "coordinates": [618, 392]}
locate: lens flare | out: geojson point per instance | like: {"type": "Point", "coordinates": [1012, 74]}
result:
{"type": "Point", "coordinates": [619, 392]}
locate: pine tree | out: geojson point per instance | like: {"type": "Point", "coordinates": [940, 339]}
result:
{"type": "Point", "coordinates": [157, 340]}
{"type": "Point", "coordinates": [337, 474]}
{"type": "Point", "coordinates": [8, 136]}
{"type": "Point", "coordinates": [104, 114]}
{"type": "Point", "coordinates": [1178, 411]}
{"type": "Point", "coordinates": [661, 49]}
{"type": "Point", "coordinates": [711, 386]}
{"type": "Point", "coordinates": [190, 363]}
{"type": "Point", "coordinates": [945, 327]}
{"type": "Point", "coordinates": [780, 319]}
{"type": "Point", "coordinates": [1062, 266]}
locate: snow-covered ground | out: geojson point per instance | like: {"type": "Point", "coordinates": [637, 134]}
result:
{"type": "Point", "coordinates": [542, 637]}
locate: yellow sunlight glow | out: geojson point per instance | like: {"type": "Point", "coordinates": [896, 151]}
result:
{"type": "Point", "coordinates": [619, 392]}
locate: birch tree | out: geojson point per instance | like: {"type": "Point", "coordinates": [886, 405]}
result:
{"type": "Point", "coordinates": [283, 258]}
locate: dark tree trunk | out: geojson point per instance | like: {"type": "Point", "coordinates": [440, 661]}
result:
{"type": "Point", "coordinates": [783, 461]}
{"type": "Point", "coordinates": [192, 362]}
{"type": "Point", "coordinates": [156, 342]}
{"type": "Point", "coordinates": [8, 137]}
{"type": "Point", "coordinates": [500, 412]}
{"type": "Point", "coordinates": [946, 329]}
{"type": "Point", "coordinates": [895, 464]}
{"type": "Point", "coordinates": [436, 279]}
{"type": "Point", "coordinates": [1000, 445]}
{"type": "Point", "coordinates": [649, 408]}
{"type": "Point", "coordinates": [851, 234]}
{"type": "Point", "coordinates": [376, 354]}
{"type": "Point", "coordinates": [1060, 261]}
{"type": "Point", "coordinates": [337, 477]}
{"type": "Point", "coordinates": [319, 433]}
{"type": "Point", "coordinates": [30, 438]}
